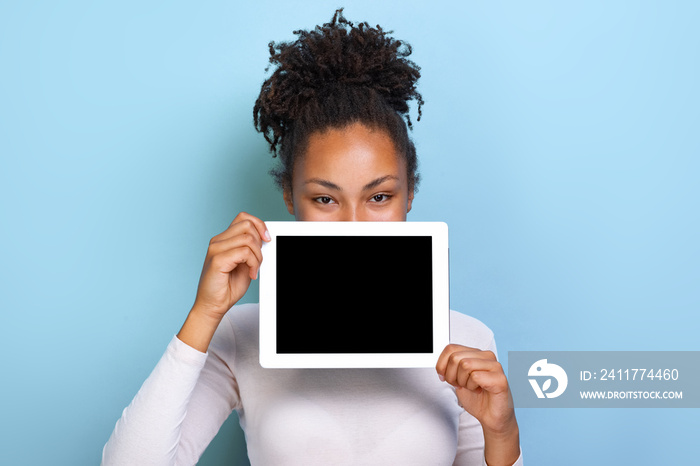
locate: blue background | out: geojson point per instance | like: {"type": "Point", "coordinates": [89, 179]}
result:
{"type": "Point", "coordinates": [559, 141]}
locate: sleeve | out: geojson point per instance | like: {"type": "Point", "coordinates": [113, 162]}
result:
{"type": "Point", "coordinates": [179, 408]}
{"type": "Point", "coordinates": [470, 445]}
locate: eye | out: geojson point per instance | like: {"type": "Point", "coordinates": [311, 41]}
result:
{"type": "Point", "coordinates": [323, 199]}
{"type": "Point", "coordinates": [380, 197]}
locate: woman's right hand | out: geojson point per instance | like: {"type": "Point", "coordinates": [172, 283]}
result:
{"type": "Point", "coordinates": [232, 261]}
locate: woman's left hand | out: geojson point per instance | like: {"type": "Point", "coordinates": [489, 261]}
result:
{"type": "Point", "coordinates": [482, 390]}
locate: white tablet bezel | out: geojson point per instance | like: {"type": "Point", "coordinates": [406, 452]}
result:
{"type": "Point", "coordinates": [441, 295]}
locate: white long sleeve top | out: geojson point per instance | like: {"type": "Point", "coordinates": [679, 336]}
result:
{"type": "Point", "coordinates": [296, 416]}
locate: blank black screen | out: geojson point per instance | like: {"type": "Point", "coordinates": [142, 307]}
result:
{"type": "Point", "coordinates": [354, 294]}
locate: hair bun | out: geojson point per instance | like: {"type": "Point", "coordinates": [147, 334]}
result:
{"type": "Point", "coordinates": [335, 54]}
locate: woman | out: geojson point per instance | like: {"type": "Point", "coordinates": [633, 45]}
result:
{"type": "Point", "coordinates": [335, 110]}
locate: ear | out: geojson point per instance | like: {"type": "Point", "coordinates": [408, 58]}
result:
{"type": "Point", "coordinates": [410, 201]}
{"type": "Point", "coordinates": [287, 195]}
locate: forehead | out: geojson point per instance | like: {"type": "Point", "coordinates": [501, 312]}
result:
{"type": "Point", "coordinates": [354, 150]}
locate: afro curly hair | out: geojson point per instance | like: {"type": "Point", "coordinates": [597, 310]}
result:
{"type": "Point", "coordinates": [332, 76]}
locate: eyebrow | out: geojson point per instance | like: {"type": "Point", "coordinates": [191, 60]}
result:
{"type": "Point", "coordinates": [330, 185]}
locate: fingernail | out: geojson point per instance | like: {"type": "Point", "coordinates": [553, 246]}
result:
{"type": "Point", "coordinates": [267, 236]}
{"type": "Point", "coordinates": [441, 377]}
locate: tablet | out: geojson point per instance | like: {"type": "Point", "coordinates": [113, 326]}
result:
{"type": "Point", "coordinates": [354, 294]}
